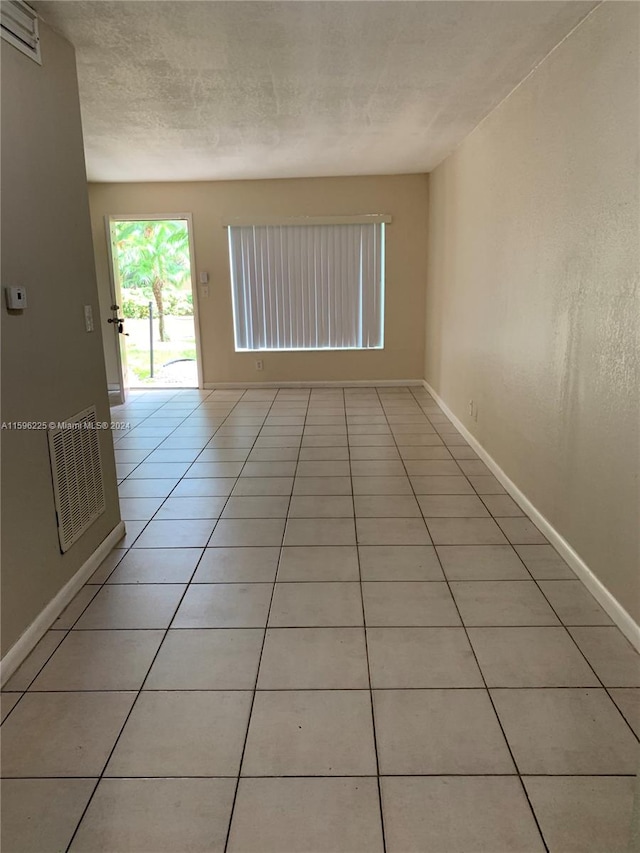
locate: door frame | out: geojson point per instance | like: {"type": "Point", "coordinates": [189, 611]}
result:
{"type": "Point", "coordinates": [158, 217]}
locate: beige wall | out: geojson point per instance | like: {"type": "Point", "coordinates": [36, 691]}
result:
{"type": "Point", "coordinates": [404, 197]}
{"type": "Point", "coordinates": [532, 299]}
{"type": "Point", "coordinates": [51, 367]}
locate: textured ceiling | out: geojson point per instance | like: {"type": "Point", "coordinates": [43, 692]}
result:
{"type": "Point", "coordinates": [181, 90]}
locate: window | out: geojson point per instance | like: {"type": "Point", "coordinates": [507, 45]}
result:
{"type": "Point", "coordinates": [302, 287]}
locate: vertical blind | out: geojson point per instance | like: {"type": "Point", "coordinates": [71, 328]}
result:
{"type": "Point", "coordinates": [307, 286]}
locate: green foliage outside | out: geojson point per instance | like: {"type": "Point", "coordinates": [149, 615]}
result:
{"type": "Point", "coordinates": [153, 265]}
{"type": "Point", "coordinates": [176, 304]}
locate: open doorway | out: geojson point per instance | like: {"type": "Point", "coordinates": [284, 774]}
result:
{"type": "Point", "coordinates": [153, 310]}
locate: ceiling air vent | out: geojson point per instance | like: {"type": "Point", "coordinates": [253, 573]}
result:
{"type": "Point", "coordinates": [76, 468]}
{"type": "Point", "coordinates": [19, 26]}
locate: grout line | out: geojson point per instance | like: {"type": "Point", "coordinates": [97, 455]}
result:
{"type": "Point", "coordinates": [586, 659]}
{"type": "Point", "coordinates": [360, 776]}
{"type": "Point", "coordinates": [264, 640]}
{"type": "Point", "coordinates": [367, 580]}
{"type": "Point", "coordinates": [138, 694]}
{"type": "Point", "coordinates": [130, 712]}
{"type": "Point", "coordinates": [308, 689]}
{"type": "Point", "coordinates": [490, 697]}
{"type": "Point", "coordinates": [366, 647]}
{"type": "Point", "coordinates": [351, 625]}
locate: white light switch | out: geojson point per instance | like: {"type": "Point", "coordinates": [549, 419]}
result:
{"type": "Point", "coordinates": [16, 298]}
{"type": "Point", "coordinates": [204, 277]}
{"type": "Point", "coordinates": [88, 318]}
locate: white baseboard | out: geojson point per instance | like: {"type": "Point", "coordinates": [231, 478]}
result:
{"type": "Point", "coordinates": [611, 605]}
{"type": "Point", "coordinates": [41, 624]}
{"type": "Point", "coordinates": [353, 383]}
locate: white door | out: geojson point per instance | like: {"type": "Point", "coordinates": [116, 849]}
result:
{"type": "Point", "coordinates": [154, 311]}
{"type": "Point", "coordinates": [119, 378]}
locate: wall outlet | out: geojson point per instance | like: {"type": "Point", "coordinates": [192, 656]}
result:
{"type": "Point", "coordinates": [473, 410]}
{"type": "Point", "coordinates": [259, 364]}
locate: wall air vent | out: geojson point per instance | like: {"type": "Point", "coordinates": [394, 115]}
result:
{"type": "Point", "coordinates": [19, 26]}
{"type": "Point", "coordinates": [76, 469]}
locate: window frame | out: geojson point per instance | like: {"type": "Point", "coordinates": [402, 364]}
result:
{"type": "Point", "coordinates": [261, 221]}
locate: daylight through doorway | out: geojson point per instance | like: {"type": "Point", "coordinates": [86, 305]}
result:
{"type": "Point", "coordinates": [153, 271]}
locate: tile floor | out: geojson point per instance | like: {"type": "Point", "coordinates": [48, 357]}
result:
{"type": "Point", "coordinates": [328, 630]}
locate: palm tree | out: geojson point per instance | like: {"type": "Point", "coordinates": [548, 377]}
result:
{"type": "Point", "coordinates": [151, 255]}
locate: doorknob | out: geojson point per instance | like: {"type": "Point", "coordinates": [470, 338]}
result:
{"type": "Point", "coordinates": [120, 324]}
